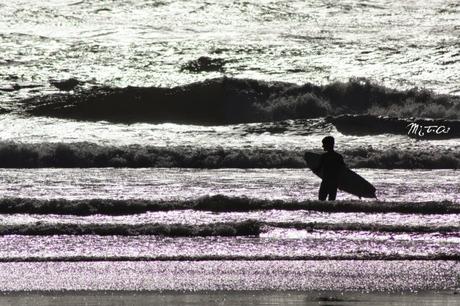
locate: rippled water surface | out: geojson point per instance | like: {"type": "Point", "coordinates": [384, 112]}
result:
{"type": "Point", "coordinates": [299, 135]}
{"type": "Point", "coordinates": [397, 43]}
{"type": "Point", "coordinates": [206, 276]}
{"type": "Point", "coordinates": [325, 234]}
{"type": "Point", "coordinates": [400, 44]}
{"type": "Point", "coordinates": [273, 245]}
{"type": "Point", "coordinates": [176, 183]}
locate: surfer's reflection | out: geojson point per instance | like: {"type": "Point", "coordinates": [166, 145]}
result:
{"type": "Point", "coordinates": [330, 165]}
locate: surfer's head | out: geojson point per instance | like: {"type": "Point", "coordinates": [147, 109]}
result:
{"type": "Point", "coordinates": [328, 143]}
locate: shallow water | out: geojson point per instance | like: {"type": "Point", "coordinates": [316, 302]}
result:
{"type": "Point", "coordinates": [274, 244]}
{"type": "Point", "coordinates": [190, 217]}
{"type": "Point", "coordinates": [350, 276]}
{"type": "Point", "coordinates": [326, 234]}
{"type": "Point", "coordinates": [397, 185]}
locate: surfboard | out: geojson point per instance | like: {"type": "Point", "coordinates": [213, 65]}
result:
{"type": "Point", "coordinates": [349, 181]}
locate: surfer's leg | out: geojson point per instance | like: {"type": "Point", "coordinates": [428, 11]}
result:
{"type": "Point", "coordinates": [331, 189]}
{"type": "Point", "coordinates": [322, 191]}
{"type": "Point", "coordinates": [332, 193]}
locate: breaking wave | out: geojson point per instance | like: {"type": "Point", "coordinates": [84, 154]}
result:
{"type": "Point", "coordinates": [352, 256]}
{"type": "Point", "coordinates": [311, 226]}
{"type": "Point", "coordinates": [227, 100]}
{"type": "Point", "coordinates": [85, 155]}
{"type": "Point", "coordinates": [229, 229]}
{"type": "Point", "coordinates": [247, 228]}
{"type": "Point", "coordinates": [218, 203]}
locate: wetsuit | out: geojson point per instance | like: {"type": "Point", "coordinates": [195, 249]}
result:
{"type": "Point", "coordinates": [329, 166]}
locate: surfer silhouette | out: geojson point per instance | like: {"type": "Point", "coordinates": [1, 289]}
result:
{"type": "Point", "coordinates": [330, 164]}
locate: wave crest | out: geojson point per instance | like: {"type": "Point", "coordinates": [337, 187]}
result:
{"type": "Point", "coordinates": [246, 228]}
{"type": "Point", "coordinates": [217, 203]}
{"type": "Point", "coordinates": [85, 155]}
{"type": "Point", "coordinates": [227, 100]}
{"type": "Point", "coordinates": [367, 227]}
{"type": "Point", "coordinates": [230, 229]}
{"type": "Point", "coordinates": [395, 256]}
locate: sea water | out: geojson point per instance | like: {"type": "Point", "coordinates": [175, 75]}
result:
{"type": "Point", "coordinates": [399, 44]}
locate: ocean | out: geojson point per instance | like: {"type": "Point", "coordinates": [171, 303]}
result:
{"type": "Point", "coordinates": [166, 138]}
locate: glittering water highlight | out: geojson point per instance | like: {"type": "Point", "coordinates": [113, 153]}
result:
{"type": "Point", "coordinates": [144, 43]}
{"type": "Point", "coordinates": [51, 241]}
{"type": "Point", "coordinates": [172, 183]}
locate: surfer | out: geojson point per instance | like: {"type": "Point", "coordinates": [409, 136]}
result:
{"type": "Point", "coordinates": [330, 165]}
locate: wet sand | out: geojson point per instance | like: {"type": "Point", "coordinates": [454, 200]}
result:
{"type": "Point", "coordinates": [230, 283]}
{"type": "Point", "coordinates": [229, 298]}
